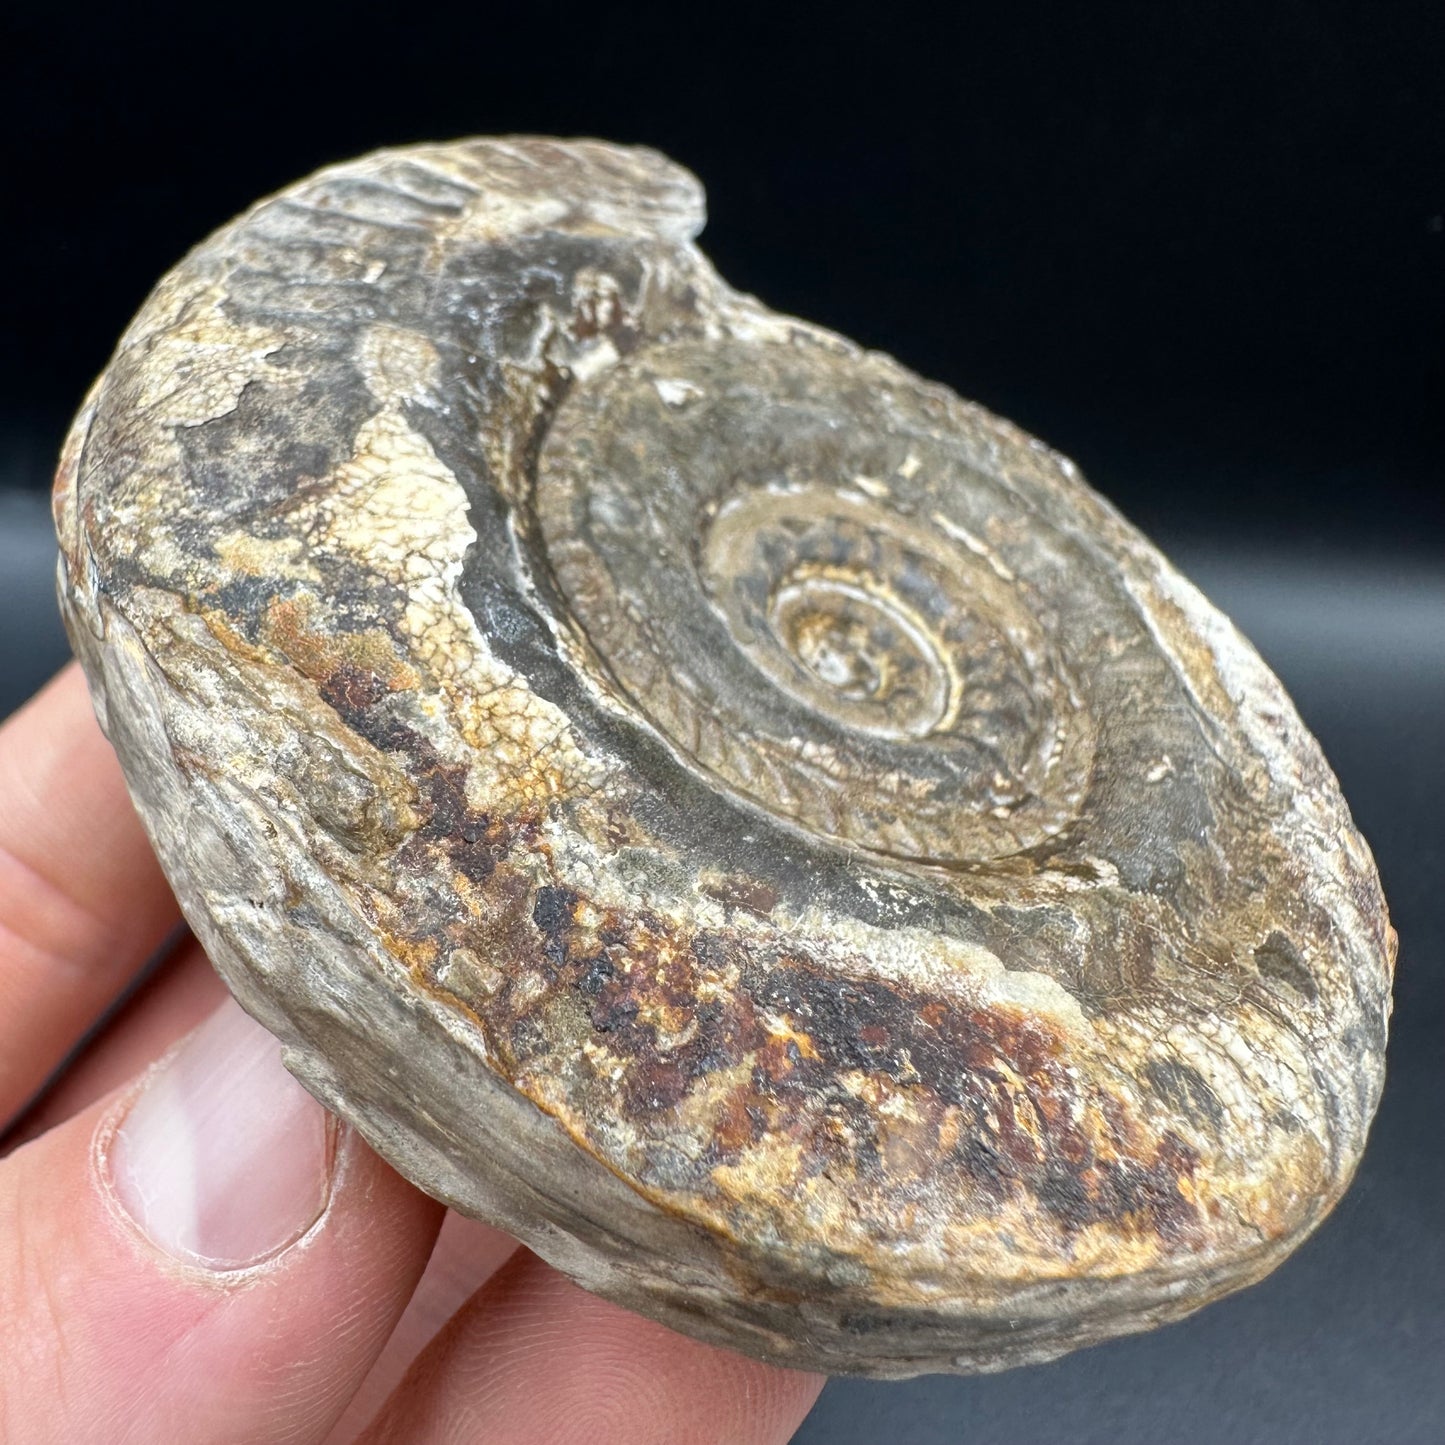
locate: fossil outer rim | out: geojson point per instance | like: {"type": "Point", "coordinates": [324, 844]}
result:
{"type": "Point", "coordinates": [1006, 975]}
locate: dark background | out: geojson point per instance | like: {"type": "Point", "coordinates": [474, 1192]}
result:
{"type": "Point", "coordinates": [1198, 247]}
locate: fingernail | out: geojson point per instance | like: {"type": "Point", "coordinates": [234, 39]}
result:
{"type": "Point", "coordinates": [224, 1159]}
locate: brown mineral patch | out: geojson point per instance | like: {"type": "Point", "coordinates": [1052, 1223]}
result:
{"type": "Point", "coordinates": [296, 627]}
{"type": "Point", "coordinates": [416, 955]}
{"type": "Point", "coordinates": [895, 1096]}
{"type": "Point", "coordinates": [741, 892]}
{"type": "Point", "coordinates": [351, 689]}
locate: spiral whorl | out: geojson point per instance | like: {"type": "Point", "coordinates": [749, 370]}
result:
{"type": "Point", "coordinates": [777, 558]}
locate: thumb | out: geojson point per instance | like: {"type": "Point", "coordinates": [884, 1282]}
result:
{"type": "Point", "coordinates": [204, 1255]}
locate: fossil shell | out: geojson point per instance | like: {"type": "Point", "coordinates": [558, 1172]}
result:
{"type": "Point", "coordinates": [692, 793]}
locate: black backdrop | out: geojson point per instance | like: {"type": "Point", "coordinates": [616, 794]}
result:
{"type": "Point", "coordinates": [1200, 247]}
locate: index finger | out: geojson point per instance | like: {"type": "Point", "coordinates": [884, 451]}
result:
{"type": "Point", "coordinates": [83, 902]}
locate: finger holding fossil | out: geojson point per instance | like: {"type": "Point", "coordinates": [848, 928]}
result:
{"type": "Point", "coordinates": [698, 796]}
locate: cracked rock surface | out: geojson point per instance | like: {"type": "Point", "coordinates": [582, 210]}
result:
{"type": "Point", "coordinates": [754, 826]}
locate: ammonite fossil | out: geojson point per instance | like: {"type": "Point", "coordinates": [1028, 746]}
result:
{"type": "Point", "coordinates": [746, 821]}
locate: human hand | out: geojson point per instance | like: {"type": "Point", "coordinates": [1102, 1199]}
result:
{"type": "Point", "coordinates": [192, 1249]}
